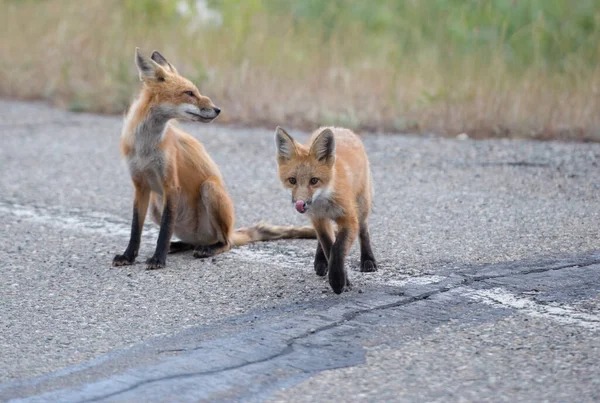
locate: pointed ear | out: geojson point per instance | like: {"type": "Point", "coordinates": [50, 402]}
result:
{"type": "Point", "coordinates": [149, 70]}
{"type": "Point", "coordinates": [286, 145]}
{"type": "Point", "coordinates": [323, 147]}
{"type": "Point", "coordinates": [160, 59]}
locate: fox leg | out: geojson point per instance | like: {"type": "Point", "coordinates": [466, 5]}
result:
{"type": "Point", "coordinates": [179, 246]}
{"type": "Point", "coordinates": [338, 278]}
{"type": "Point", "coordinates": [367, 259]}
{"type": "Point", "coordinates": [167, 222]}
{"type": "Point", "coordinates": [140, 207]}
{"type": "Point", "coordinates": [204, 251]}
{"type": "Point", "coordinates": [219, 208]}
{"type": "Point", "coordinates": [156, 214]}
{"type": "Point", "coordinates": [325, 242]}
{"type": "Point", "coordinates": [320, 261]}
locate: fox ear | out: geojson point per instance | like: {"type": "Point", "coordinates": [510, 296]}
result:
{"type": "Point", "coordinates": [286, 145]}
{"type": "Point", "coordinates": [323, 147]}
{"type": "Point", "coordinates": [160, 59]}
{"type": "Point", "coordinates": [149, 70]}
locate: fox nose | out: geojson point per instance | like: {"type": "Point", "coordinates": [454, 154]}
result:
{"type": "Point", "coordinates": [217, 110]}
{"type": "Point", "coordinates": [300, 206]}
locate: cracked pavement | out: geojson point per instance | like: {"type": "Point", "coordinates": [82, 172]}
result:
{"type": "Point", "coordinates": [488, 287]}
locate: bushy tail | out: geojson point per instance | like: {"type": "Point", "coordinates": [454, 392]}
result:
{"type": "Point", "coordinates": [268, 232]}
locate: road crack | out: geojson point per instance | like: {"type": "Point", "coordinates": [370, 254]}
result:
{"type": "Point", "coordinates": [473, 279]}
{"type": "Point", "coordinates": [346, 317]}
{"type": "Point", "coordinates": [288, 349]}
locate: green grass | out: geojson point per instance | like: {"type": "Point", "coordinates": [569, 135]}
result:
{"type": "Point", "coordinates": [526, 68]}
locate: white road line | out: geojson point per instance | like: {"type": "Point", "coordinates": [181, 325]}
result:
{"type": "Point", "coordinates": [421, 280]}
{"type": "Point", "coordinates": [74, 220]}
{"type": "Point", "coordinates": [563, 314]}
{"type": "Point", "coordinates": [271, 257]}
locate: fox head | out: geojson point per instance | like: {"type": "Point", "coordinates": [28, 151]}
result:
{"type": "Point", "coordinates": [307, 171]}
{"type": "Point", "coordinates": [176, 96]}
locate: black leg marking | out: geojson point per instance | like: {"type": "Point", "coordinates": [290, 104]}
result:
{"type": "Point", "coordinates": [204, 251]}
{"type": "Point", "coordinates": [367, 259]}
{"type": "Point", "coordinates": [159, 260]}
{"type": "Point", "coordinates": [179, 246]}
{"type": "Point", "coordinates": [337, 257]}
{"type": "Point", "coordinates": [128, 257]}
{"type": "Point", "coordinates": [320, 261]}
{"type": "Point", "coordinates": [324, 246]}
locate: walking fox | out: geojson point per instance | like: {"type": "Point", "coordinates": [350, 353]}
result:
{"type": "Point", "coordinates": [330, 180]}
{"type": "Point", "coordinates": [172, 172]}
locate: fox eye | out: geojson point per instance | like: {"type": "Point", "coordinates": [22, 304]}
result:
{"type": "Point", "coordinates": [313, 181]}
{"type": "Point", "coordinates": [292, 180]}
{"type": "Point", "coordinates": [190, 93]}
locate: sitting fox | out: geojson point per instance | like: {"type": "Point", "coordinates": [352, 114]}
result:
{"type": "Point", "coordinates": [330, 180]}
{"type": "Point", "coordinates": [172, 172]}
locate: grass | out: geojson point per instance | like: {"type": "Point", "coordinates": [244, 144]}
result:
{"type": "Point", "coordinates": [488, 68]}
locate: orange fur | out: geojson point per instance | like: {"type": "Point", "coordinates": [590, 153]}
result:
{"type": "Point", "coordinates": [173, 173]}
{"type": "Point", "coordinates": [331, 179]}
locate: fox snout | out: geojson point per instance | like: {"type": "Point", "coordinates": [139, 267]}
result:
{"type": "Point", "coordinates": [207, 110]}
{"type": "Point", "coordinates": [210, 113]}
{"type": "Point", "coordinates": [302, 205]}
{"type": "Point", "coordinates": [204, 114]}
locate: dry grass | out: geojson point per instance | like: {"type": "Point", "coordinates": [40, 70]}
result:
{"type": "Point", "coordinates": [268, 70]}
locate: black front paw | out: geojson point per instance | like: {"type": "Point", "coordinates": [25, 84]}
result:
{"type": "Point", "coordinates": [368, 265]}
{"type": "Point", "coordinates": [337, 279]}
{"type": "Point", "coordinates": [321, 267]}
{"type": "Point", "coordinates": [122, 260]}
{"type": "Point", "coordinates": [203, 252]}
{"type": "Point", "coordinates": [155, 263]}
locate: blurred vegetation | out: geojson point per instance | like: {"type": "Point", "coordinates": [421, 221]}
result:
{"type": "Point", "coordinates": [542, 33]}
{"type": "Point", "coordinates": [486, 67]}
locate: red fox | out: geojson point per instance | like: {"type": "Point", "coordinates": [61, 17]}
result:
{"type": "Point", "coordinates": [172, 172]}
{"type": "Point", "coordinates": [330, 180]}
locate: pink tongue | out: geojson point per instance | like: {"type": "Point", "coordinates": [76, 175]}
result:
{"type": "Point", "coordinates": [300, 206]}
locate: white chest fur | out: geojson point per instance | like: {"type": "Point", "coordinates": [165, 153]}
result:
{"type": "Point", "coordinates": [146, 159]}
{"type": "Point", "coordinates": [323, 205]}
{"type": "Point", "coordinates": [150, 166]}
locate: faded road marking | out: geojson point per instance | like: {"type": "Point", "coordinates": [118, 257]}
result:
{"type": "Point", "coordinates": [421, 280]}
{"type": "Point", "coordinates": [75, 220]}
{"type": "Point", "coordinates": [289, 259]}
{"type": "Point", "coordinates": [560, 313]}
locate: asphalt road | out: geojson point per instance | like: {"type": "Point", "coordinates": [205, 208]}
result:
{"type": "Point", "coordinates": [487, 290]}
